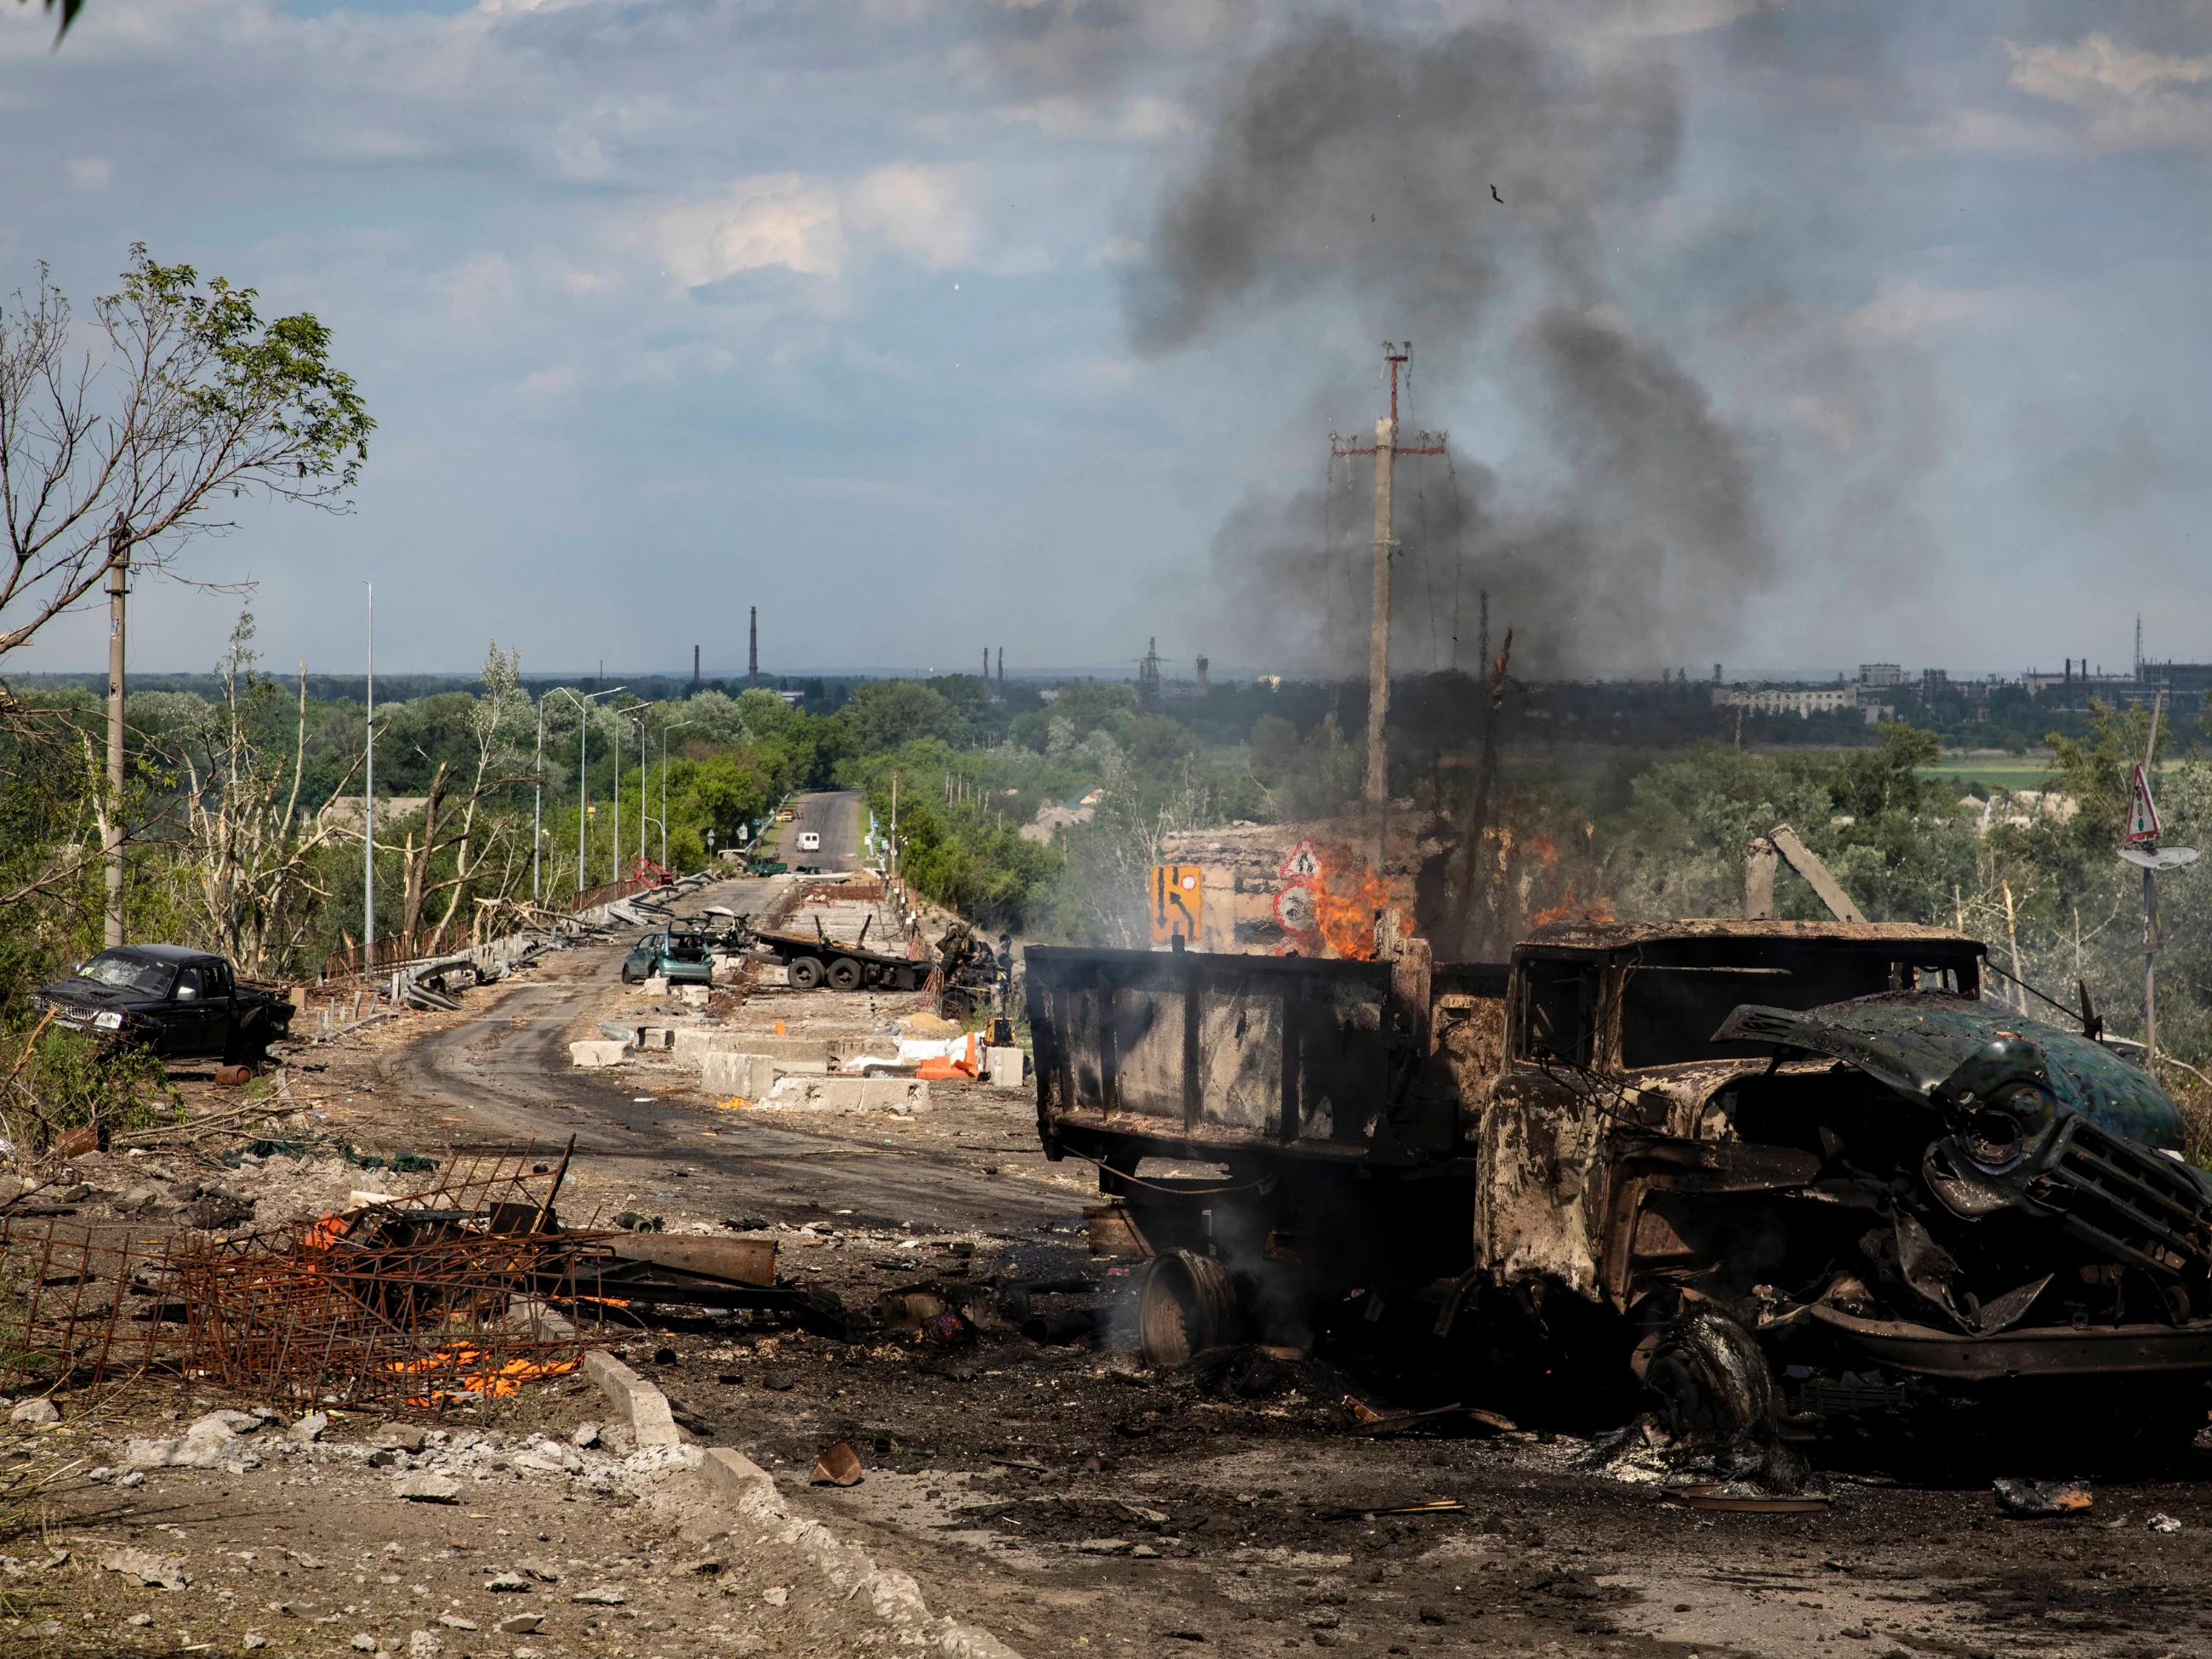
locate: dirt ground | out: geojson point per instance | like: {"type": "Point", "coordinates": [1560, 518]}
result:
{"type": "Point", "coordinates": [1057, 1496]}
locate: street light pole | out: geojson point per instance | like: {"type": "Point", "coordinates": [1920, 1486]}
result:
{"type": "Point", "coordinates": [537, 803]}
{"type": "Point", "coordinates": [638, 721]}
{"type": "Point", "coordinates": [583, 754]}
{"type": "Point", "coordinates": [664, 731]}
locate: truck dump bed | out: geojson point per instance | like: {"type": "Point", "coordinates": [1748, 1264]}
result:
{"type": "Point", "coordinates": [1190, 1054]}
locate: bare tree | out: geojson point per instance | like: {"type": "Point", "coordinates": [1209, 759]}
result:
{"type": "Point", "coordinates": [460, 813]}
{"type": "Point", "coordinates": [248, 854]}
{"type": "Point", "coordinates": [194, 399]}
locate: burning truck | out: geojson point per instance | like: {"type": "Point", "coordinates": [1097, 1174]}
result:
{"type": "Point", "coordinates": [1759, 1177]}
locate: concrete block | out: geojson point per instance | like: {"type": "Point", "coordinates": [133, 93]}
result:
{"type": "Point", "coordinates": [636, 1402]}
{"type": "Point", "coordinates": [722, 1075]}
{"type": "Point", "coordinates": [899, 1095]}
{"type": "Point", "coordinates": [662, 1038]}
{"type": "Point", "coordinates": [655, 985]}
{"type": "Point", "coordinates": [692, 1040]}
{"type": "Point", "coordinates": [1004, 1068]}
{"type": "Point", "coordinates": [592, 1055]}
{"type": "Point", "coordinates": [737, 1479]}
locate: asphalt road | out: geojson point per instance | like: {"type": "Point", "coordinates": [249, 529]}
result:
{"type": "Point", "coordinates": [507, 1075]}
{"type": "Point", "coordinates": [835, 816]}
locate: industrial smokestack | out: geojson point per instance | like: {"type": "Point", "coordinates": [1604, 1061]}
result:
{"type": "Point", "coordinates": [752, 654]}
{"type": "Point", "coordinates": [1201, 689]}
{"type": "Point", "coordinates": [694, 668]}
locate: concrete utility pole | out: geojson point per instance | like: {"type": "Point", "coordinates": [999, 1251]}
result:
{"type": "Point", "coordinates": [119, 584]}
{"type": "Point", "coordinates": [694, 668]}
{"type": "Point", "coordinates": [1386, 450]}
{"type": "Point", "coordinates": [752, 655]}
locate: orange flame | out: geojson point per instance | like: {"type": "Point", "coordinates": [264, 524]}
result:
{"type": "Point", "coordinates": [1345, 900]}
{"type": "Point", "coordinates": [487, 1382]}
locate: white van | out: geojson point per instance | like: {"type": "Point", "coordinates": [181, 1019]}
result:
{"type": "Point", "coordinates": [809, 840]}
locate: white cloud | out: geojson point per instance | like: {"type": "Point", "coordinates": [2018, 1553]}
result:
{"type": "Point", "coordinates": [2128, 98]}
{"type": "Point", "coordinates": [810, 226]}
{"type": "Point", "coordinates": [922, 212]}
{"type": "Point", "coordinates": [783, 219]}
{"type": "Point", "coordinates": [87, 173]}
{"type": "Point", "coordinates": [1905, 309]}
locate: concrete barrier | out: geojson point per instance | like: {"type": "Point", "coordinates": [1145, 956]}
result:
{"type": "Point", "coordinates": [896, 1095]}
{"type": "Point", "coordinates": [641, 1406]}
{"type": "Point", "coordinates": [594, 1055]}
{"type": "Point", "coordinates": [752, 1076]}
{"type": "Point", "coordinates": [1004, 1068]}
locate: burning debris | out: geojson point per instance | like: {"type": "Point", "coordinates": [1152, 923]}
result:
{"type": "Point", "coordinates": [462, 1291]}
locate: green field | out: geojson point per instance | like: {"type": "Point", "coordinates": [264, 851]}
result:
{"type": "Point", "coordinates": [2028, 771]}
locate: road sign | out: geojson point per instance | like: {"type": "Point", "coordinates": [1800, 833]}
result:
{"type": "Point", "coordinates": [2142, 813]}
{"type": "Point", "coordinates": [1178, 896]}
{"type": "Point", "coordinates": [1303, 865]}
{"type": "Point", "coordinates": [1295, 909]}
{"type": "Point", "coordinates": [2159, 858]}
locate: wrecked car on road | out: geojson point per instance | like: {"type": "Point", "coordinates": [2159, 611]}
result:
{"type": "Point", "coordinates": [1802, 1171]}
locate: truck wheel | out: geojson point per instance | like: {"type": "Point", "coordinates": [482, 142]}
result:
{"type": "Point", "coordinates": [844, 974]}
{"type": "Point", "coordinates": [805, 973]}
{"type": "Point", "coordinates": [1708, 1382]}
{"type": "Point", "coordinates": [1189, 1305]}
{"type": "Point", "coordinates": [249, 1041]}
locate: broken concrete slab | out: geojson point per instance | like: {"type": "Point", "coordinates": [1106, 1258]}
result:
{"type": "Point", "coordinates": [596, 1056]}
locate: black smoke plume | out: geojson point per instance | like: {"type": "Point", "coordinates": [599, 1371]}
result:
{"type": "Point", "coordinates": [1462, 189]}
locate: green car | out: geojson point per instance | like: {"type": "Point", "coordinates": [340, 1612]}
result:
{"type": "Point", "coordinates": [681, 958]}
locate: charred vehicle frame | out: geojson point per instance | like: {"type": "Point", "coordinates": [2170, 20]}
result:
{"type": "Point", "coordinates": [1797, 1172]}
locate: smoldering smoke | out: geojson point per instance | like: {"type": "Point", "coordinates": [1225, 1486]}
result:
{"type": "Point", "coordinates": [1350, 172]}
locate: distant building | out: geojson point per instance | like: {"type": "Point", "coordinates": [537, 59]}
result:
{"type": "Point", "coordinates": [1803, 704]}
{"type": "Point", "coordinates": [1881, 673]}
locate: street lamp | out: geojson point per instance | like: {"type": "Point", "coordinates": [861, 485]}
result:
{"type": "Point", "coordinates": [584, 701]}
{"type": "Point", "coordinates": [664, 731]}
{"type": "Point", "coordinates": [637, 719]}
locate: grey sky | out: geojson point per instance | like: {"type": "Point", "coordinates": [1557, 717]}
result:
{"type": "Point", "coordinates": [850, 311]}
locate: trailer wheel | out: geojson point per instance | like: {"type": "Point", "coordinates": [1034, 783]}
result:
{"type": "Point", "coordinates": [805, 973]}
{"type": "Point", "coordinates": [844, 974]}
{"type": "Point", "coordinates": [1189, 1305]}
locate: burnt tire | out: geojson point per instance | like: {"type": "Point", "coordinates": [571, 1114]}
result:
{"type": "Point", "coordinates": [957, 1004]}
{"type": "Point", "coordinates": [1189, 1305]}
{"type": "Point", "coordinates": [1708, 1382]}
{"type": "Point", "coordinates": [844, 975]}
{"type": "Point", "coordinates": [805, 973]}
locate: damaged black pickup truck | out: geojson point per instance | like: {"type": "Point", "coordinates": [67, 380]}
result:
{"type": "Point", "coordinates": [177, 1003]}
{"type": "Point", "coordinates": [1799, 1172]}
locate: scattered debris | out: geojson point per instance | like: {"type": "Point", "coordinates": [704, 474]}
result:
{"type": "Point", "coordinates": [2018, 1496]}
{"type": "Point", "coordinates": [1742, 1498]}
{"type": "Point", "coordinates": [838, 1466]}
{"type": "Point", "coordinates": [1426, 1506]}
{"type": "Point", "coordinates": [2162, 1523]}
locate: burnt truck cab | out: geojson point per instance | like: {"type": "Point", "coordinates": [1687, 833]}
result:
{"type": "Point", "coordinates": [1822, 1134]}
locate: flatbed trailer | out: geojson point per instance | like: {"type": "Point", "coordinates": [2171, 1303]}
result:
{"type": "Point", "coordinates": [822, 960]}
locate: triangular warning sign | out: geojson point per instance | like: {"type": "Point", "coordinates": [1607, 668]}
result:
{"type": "Point", "coordinates": [2142, 813]}
{"type": "Point", "coordinates": [1303, 865]}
